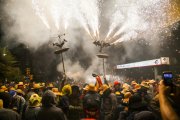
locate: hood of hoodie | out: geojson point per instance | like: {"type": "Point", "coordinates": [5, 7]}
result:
{"type": "Point", "coordinates": [48, 99]}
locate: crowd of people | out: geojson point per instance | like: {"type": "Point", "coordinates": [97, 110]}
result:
{"type": "Point", "coordinates": [145, 100]}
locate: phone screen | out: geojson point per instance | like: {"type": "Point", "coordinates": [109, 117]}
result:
{"type": "Point", "coordinates": [167, 78]}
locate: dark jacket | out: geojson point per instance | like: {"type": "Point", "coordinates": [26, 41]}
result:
{"type": "Point", "coordinates": [31, 113]}
{"type": "Point", "coordinates": [49, 111]}
{"type": "Point", "coordinates": [108, 101]}
{"type": "Point", "coordinates": [7, 114]}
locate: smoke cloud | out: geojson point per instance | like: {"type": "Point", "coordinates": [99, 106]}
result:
{"type": "Point", "coordinates": [36, 23]}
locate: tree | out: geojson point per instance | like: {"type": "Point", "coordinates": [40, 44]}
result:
{"type": "Point", "coordinates": [9, 66]}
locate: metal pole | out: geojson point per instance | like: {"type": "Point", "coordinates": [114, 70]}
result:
{"type": "Point", "coordinates": [155, 73]}
{"type": "Point", "coordinates": [63, 63]}
{"type": "Point", "coordinates": [104, 68]}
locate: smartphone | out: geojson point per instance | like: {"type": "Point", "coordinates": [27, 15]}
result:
{"type": "Point", "coordinates": [168, 77]}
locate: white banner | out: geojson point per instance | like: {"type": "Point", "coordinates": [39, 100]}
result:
{"type": "Point", "coordinates": [154, 62]}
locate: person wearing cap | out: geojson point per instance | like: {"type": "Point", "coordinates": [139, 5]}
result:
{"type": "Point", "coordinates": [49, 111]}
{"type": "Point", "coordinates": [18, 102]}
{"type": "Point", "coordinates": [136, 88]}
{"type": "Point", "coordinates": [58, 94]}
{"type": "Point", "coordinates": [117, 86]}
{"type": "Point", "coordinates": [133, 83]}
{"type": "Point", "coordinates": [84, 91]}
{"type": "Point", "coordinates": [6, 98]}
{"type": "Point", "coordinates": [118, 92]}
{"type": "Point", "coordinates": [64, 101]}
{"type": "Point", "coordinates": [152, 87]}
{"type": "Point", "coordinates": [91, 103]}
{"type": "Point", "coordinates": [7, 114]}
{"type": "Point", "coordinates": [37, 88]}
{"type": "Point", "coordinates": [75, 104]}
{"type": "Point", "coordinates": [4, 88]}
{"type": "Point", "coordinates": [143, 92]}
{"type": "Point", "coordinates": [108, 103]}
{"type": "Point", "coordinates": [20, 85]}
{"type": "Point", "coordinates": [135, 106]}
{"type": "Point", "coordinates": [127, 95]}
{"type": "Point", "coordinates": [33, 107]}
{"type": "Point", "coordinates": [20, 92]}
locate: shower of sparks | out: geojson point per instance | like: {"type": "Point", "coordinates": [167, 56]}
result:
{"type": "Point", "coordinates": [40, 12]}
{"type": "Point", "coordinates": [129, 19]}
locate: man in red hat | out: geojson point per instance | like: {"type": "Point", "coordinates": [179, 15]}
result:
{"type": "Point", "coordinates": [117, 87]}
{"type": "Point", "coordinates": [119, 96]}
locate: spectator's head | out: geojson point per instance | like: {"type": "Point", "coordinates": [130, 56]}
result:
{"type": "Point", "coordinates": [136, 103]}
{"type": "Point", "coordinates": [67, 90]}
{"type": "Point", "coordinates": [85, 89]}
{"type": "Point", "coordinates": [126, 86]}
{"type": "Point", "coordinates": [151, 82]}
{"type": "Point", "coordinates": [117, 85]}
{"type": "Point", "coordinates": [56, 92]}
{"type": "Point", "coordinates": [127, 95]}
{"type": "Point", "coordinates": [92, 88]}
{"type": "Point", "coordinates": [48, 99]}
{"type": "Point", "coordinates": [34, 100]}
{"type": "Point", "coordinates": [136, 88]}
{"type": "Point", "coordinates": [36, 88]}
{"type": "Point", "coordinates": [75, 90]}
{"type": "Point", "coordinates": [4, 88]}
{"type": "Point", "coordinates": [20, 85]}
{"type": "Point", "coordinates": [103, 88]}
{"type": "Point", "coordinates": [12, 92]}
{"type": "Point", "coordinates": [20, 92]}
{"type": "Point", "coordinates": [6, 97]}
{"type": "Point", "coordinates": [133, 83]}
{"type": "Point", "coordinates": [145, 84]}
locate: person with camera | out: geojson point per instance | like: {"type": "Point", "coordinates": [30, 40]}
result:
{"type": "Point", "coordinates": [169, 102]}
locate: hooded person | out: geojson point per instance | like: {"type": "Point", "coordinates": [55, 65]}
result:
{"type": "Point", "coordinates": [49, 111]}
{"type": "Point", "coordinates": [33, 107]}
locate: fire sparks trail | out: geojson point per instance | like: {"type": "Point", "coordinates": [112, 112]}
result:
{"type": "Point", "coordinates": [128, 19]}
{"type": "Point", "coordinates": [40, 12]}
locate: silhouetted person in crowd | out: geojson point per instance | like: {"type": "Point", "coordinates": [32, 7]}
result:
{"type": "Point", "coordinates": [33, 107]}
{"type": "Point", "coordinates": [49, 111]}
{"type": "Point", "coordinates": [7, 114]}
{"type": "Point", "coordinates": [91, 103]}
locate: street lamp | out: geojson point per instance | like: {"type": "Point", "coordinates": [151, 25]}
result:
{"type": "Point", "coordinates": [4, 51]}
